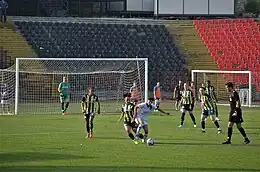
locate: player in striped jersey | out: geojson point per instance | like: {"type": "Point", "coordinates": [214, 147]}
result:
{"type": "Point", "coordinates": [127, 114]}
{"type": "Point", "coordinates": [210, 90]}
{"type": "Point", "coordinates": [187, 104]}
{"type": "Point", "coordinates": [207, 111]}
{"type": "Point", "coordinates": [90, 105]}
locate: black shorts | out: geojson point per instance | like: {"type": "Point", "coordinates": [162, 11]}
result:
{"type": "Point", "coordinates": [236, 119]}
{"type": "Point", "coordinates": [178, 98]}
{"type": "Point", "coordinates": [188, 107]}
{"type": "Point", "coordinates": [131, 124]}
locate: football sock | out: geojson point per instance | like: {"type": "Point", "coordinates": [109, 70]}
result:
{"type": "Point", "coordinates": [91, 125]}
{"type": "Point", "coordinates": [203, 124]}
{"type": "Point", "coordinates": [193, 118]}
{"type": "Point", "coordinates": [216, 110]}
{"type": "Point", "coordinates": [87, 126]}
{"type": "Point", "coordinates": [62, 106]}
{"type": "Point", "coordinates": [230, 130]}
{"type": "Point", "coordinates": [67, 105]}
{"type": "Point", "coordinates": [131, 136]}
{"type": "Point", "coordinates": [141, 136]}
{"type": "Point", "coordinates": [217, 124]}
{"type": "Point", "coordinates": [145, 136]}
{"type": "Point", "coordinates": [242, 131]}
{"type": "Point", "coordinates": [182, 118]}
{"type": "Point", "coordinates": [137, 132]}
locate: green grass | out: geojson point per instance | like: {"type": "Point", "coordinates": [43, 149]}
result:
{"type": "Point", "coordinates": [45, 143]}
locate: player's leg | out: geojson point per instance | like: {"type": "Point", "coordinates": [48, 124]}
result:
{"type": "Point", "coordinates": [128, 130]}
{"type": "Point", "coordinates": [139, 127]}
{"type": "Point", "coordinates": [134, 126]}
{"type": "Point", "coordinates": [86, 116]}
{"type": "Point", "coordinates": [62, 104]}
{"type": "Point", "coordinates": [145, 127]}
{"type": "Point", "coordinates": [91, 124]}
{"type": "Point", "coordinates": [243, 133]}
{"type": "Point", "coordinates": [157, 103]}
{"type": "Point", "coordinates": [215, 121]}
{"type": "Point", "coordinates": [177, 104]}
{"type": "Point", "coordinates": [239, 120]}
{"type": "Point", "coordinates": [67, 100]}
{"type": "Point", "coordinates": [204, 116]}
{"type": "Point", "coordinates": [192, 116]}
{"type": "Point", "coordinates": [183, 112]}
{"type": "Point", "coordinates": [216, 110]}
{"type": "Point", "coordinates": [230, 131]}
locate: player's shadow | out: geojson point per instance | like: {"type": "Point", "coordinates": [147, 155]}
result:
{"type": "Point", "coordinates": [36, 156]}
{"type": "Point", "coordinates": [201, 143]}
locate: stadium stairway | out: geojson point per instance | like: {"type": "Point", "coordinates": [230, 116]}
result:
{"type": "Point", "coordinates": [191, 45]}
{"type": "Point", "coordinates": [13, 42]}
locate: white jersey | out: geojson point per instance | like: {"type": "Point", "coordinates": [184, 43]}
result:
{"type": "Point", "coordinates": [144, 110]}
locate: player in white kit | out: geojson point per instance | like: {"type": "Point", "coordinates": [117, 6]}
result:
{"type": "Point", "coordinates": [141, 112]}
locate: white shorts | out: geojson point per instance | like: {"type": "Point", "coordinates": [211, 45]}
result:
{"type": "Point", "coordinates": [141, 121]}
{"type": "Point", "coordinates": [157, 101]}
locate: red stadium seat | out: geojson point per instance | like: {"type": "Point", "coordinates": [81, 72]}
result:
{"type": "Point", "coordinates": [233, 41]}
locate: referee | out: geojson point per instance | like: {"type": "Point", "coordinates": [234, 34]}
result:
{"type": "Point", "coordinates": [90, 105]}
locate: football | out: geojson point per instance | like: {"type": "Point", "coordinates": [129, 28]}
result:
{"type": "Point", "coordinates": [150, 142]}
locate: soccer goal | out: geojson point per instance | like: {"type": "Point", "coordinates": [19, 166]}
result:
{"type": "Point", "coordinates": [242, 80]}
{"type": "Point", "coordinates": [33, 82]}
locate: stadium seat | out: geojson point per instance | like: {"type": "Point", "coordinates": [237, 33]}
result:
{"type": "Point", "coordinates": [232, 42]}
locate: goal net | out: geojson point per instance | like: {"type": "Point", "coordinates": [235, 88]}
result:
{"type": "Point", "coordinates": [245, 83]}
{"type": "Point", "coordinates": [33, 82]}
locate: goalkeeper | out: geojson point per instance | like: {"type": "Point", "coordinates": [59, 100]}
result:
{"type": "Point", "coordinates": [90, 105]}
{"type": "Point", "coordinates": [64, 90]}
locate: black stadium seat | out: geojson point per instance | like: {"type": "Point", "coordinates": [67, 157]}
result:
{"type": "Point", "coordinates": [109, 40]}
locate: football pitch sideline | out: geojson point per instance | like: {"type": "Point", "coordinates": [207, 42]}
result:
{"type": "Point", "coordinates": [57, 143]}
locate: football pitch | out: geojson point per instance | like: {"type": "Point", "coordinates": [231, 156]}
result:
{"type": "Point", "coordinates": [45, 143]}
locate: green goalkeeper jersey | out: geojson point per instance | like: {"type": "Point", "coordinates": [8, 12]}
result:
{"type": "Point", "coordinates": [64, 88]}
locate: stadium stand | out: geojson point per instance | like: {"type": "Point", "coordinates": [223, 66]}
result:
{"type": "Point", "coordinates": [234, 44]}
{"type": "Point", "coordinates": [90, 39]}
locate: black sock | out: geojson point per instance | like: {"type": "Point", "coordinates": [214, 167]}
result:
{"type": "Point", "coordinates": [203, 124]}
{"type": "Point", "coordinates": [230, 130]}
{"type": "Point", "coordinates": [182, 118]}
{"type": "Point", "coordinates": [141, 136]}
{"type": "Point", "coordinates": [242, 131]}
{"type": "Point", "coordinates": [87, 125]}
{"type": "Point", "coordinates": [216, 110]}
{"type": "Point", "coordinates": [62, 106]}
{"type": "Point", "coordinates": [193, 118]}
{"type": "Point", "coordinates": [67, 105]}
{"type": "Point", "coordinates": [217, 124]}
{"type": "Point", "coordinates": [131, 136]}
{"type": "Point", "coordinates": [91, 125]}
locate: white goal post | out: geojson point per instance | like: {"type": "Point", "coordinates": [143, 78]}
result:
{"type": "Point", "coordinates": [221, 77]}
{"type": "Point", "coordinates": [36, 80]}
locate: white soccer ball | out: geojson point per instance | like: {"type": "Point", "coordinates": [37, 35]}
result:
{"type": "Point", "coordinates": [150, 142]}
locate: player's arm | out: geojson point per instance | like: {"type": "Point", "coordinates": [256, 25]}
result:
{"type": "Point", "coordinates": [214, 94]}
{"type": "Point", "coordinates": [83, 105]}
{"type": "Point", "coordinates": [174, 93]}
{"type": "Point", "coordinates": [122, 114]}
{"type": "Point", "coordinates": [59, 88]}
{"type": "Point", "coordinates": [236, 97]}
{"type": "Point", "coordinates": [162, 111]}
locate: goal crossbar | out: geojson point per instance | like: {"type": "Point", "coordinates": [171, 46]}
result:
{"type": "Point", "coordinates": [228, 72]}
